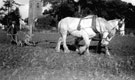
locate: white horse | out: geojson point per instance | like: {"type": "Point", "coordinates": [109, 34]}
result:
{"type": "Point", "coordinates": [69, 25]}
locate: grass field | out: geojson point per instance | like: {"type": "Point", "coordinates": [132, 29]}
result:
{"type": "Point", "coordinates": [41, 62]}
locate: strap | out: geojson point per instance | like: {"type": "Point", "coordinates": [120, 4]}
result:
{"type": "Point", "coordinates": [79, 26]}
{"type": "Point", "coordinates": [94, 24]}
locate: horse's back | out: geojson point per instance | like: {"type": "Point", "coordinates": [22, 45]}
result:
{"type": "Point", "coordinates": [68, 22]}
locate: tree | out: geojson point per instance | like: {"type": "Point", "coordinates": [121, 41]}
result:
{"type": "Point", "coordinates": [11, 19]}
{"type": "Point", "coordinates": [108, 9]}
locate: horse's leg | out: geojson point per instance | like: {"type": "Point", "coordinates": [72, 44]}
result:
{"type": "Point", "coordinates": [98, 50]}
{"type": "Point", "coordinates": [59, 44]}
{"type": "Point", "coordinates": [85, 48]}
{"type": "Point", "coordinates": [77, 40]}
{"type": "Point", "coordinates": [66, 50]}
{"type": "Point", "coordinates": [107, 50]}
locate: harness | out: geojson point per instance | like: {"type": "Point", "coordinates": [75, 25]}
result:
{"type": "Point", "coordinates": [93, 23]}
{"type": "Point", "coordinates": [79, 26]}
{"type": "Point", "coordinates": [120, 25]}
{"type": "Point", "coordinates": [110, 33]}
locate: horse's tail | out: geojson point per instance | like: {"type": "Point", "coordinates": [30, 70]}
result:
{"type": "Point", "coordinates": [62, 26]}
{"type": "Point", "coordinates": [59, 26]}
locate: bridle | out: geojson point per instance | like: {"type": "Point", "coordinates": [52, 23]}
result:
{"type": "Point", "coordinates": [120, 24]}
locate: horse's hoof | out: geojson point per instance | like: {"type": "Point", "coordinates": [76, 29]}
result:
{"type": "Point", "coordinates": [108, 53]}
{"type": "Point", "coordinates": [57, 50]}
{"type": "Point", "coordinates": [81, 53]}
{"type": "Point", "coordinates": [88, 53]}
{"type": "Point", "coordinates": [67, 51]}
{"type": "Point", "coordinates": [77, 50]}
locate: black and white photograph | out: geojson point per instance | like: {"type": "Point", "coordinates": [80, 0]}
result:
{"type": "Point", "coordinates": [67, 39]}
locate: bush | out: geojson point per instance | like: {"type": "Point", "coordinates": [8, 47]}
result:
{"type": "Point", "coordinates": [45, 22]}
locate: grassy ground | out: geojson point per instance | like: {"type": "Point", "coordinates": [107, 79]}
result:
{"type": "Point", "coordinates": [41, 62]}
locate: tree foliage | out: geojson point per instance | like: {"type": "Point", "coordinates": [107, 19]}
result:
{"type": "Point", "coordinates": [10, 16]}
{"type": "Point", "coordinates": [109, 9]}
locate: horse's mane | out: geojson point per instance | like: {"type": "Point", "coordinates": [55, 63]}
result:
{"type": "Point", "coordinates": [89, 16]}
{"type": "Point", "coordinates": [113, 21]}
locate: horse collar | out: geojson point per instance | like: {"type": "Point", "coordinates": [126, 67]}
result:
{"type": "Point", "coordinates": [94, 24]}
{"type": "Point", "coordinates": [79, 26]}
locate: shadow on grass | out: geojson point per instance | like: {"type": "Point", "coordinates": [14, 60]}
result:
{"type": "Point", "coordinates": [93, 48]}
{"type": "Point", "coordinates": [4, 38]}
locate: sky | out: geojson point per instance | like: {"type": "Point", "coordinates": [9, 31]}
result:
{"type": "Point", "coordinates": [27, 1]}
{"type": "Point", "coordinates": [26, 4]}
{"type": "Point", "coordinates": [22, 1]}
{"type": "Point", "coordinates": [18, 1]}
{"type": "Point", "coordinates": [23, 9]}
{"type": "Point", "coordinates": [129, 1]}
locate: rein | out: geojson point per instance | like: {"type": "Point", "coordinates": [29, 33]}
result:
{"type": "Point", "coordinates": [119, 24]}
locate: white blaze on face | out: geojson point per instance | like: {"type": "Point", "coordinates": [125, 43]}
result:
{"type": "Point", "coordinates": [122, 29]}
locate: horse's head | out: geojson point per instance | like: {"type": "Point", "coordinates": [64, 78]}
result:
{"type": "Point", "coordinates": [121, 26]}
{"type": "Point", "coordinates": [113, 26]}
